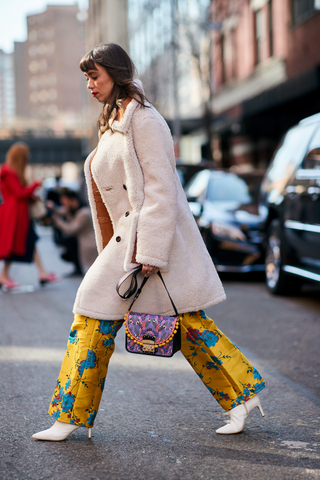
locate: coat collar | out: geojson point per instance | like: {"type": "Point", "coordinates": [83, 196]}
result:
{"type": "Point", "coordinates": [124, 124]}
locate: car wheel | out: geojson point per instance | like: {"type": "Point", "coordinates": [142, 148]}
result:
{"type": "Point", "coordinates": [278, 282]}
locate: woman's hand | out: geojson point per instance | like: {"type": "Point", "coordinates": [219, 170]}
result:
{"type": "Point", "coordinates": [39, 182]}
{"type": "Point", "coordinates": [148, 269]}
{"type": "Point", "coordinates": [50, 205]}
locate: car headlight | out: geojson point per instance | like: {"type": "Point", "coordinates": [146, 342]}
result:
{"type": "Point", "coordinates": [229, 231]}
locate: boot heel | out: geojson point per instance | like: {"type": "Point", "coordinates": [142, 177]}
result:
{"type": "Point", "coordinates": [260, 409]}
{"type": "Point", "coordinates": [89, 432]}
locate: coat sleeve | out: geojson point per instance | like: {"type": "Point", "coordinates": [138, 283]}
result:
{"type": "Point", "coordinates": [13, 184]}
{"type": "Point", "coordinates": [157, 220]}
{"type": "Point", "coordinates": [76, 225]}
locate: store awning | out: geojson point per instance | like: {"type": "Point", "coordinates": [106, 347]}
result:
{"type": "Point", "coordinates": [293, 88]}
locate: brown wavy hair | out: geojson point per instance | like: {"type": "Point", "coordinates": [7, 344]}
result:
{"type": "Point", "coordinates": [17, 158]}
{"type": "Point", "coordinates": [121, 69]}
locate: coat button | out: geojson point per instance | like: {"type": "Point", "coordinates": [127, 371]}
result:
{"type": "Point", "coordinates": [127, 214]}
{"type": "Point", "coordinates": [124, 187]}
{"type": "Point", "coordinates": [118, 239]}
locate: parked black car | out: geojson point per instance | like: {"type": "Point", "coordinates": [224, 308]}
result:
{"type": "Point", "coordinates": [290, 198]}
{"type": "Point", "coordinates": [225, 206]}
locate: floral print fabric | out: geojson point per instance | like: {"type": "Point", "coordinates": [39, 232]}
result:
{"type": "Point", "coordinates": [81, 380]}
{"type": "Point", "coordinates": [224, 370]}
{"type": "Point", "coordinates": [222, 367]}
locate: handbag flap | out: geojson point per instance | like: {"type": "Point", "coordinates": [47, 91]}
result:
{"type": "Point", "coordinates": [161, 328]}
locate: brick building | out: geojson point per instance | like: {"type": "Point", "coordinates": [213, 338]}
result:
{"type": "Point", "coordinates": [266, 74]}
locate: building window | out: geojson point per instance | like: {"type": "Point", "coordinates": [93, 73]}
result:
{"type": "Point", "coordinates": [259, 33]}
{"type": "Point", "coordinates": [32, 35]}
{"type": "Point", "coordinates": [302, 9]}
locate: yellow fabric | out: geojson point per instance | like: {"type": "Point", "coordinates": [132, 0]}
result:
{"type": "Point", "coordinates": [224, 370]}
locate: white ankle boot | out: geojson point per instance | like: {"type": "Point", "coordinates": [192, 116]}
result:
{"type": "Point", "coordinates": [239, 415]}
{"type": "Point", "coordinates": [59, 431]}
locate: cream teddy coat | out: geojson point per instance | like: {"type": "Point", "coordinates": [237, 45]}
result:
{"type": "Point", "coordinates": [134, 171]}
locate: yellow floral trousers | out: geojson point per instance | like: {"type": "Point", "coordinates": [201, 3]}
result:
{"type": "Point", "coordinates": [224, 370]}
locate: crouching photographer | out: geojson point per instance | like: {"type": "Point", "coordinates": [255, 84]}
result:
{"type": "Point", "coordinates": [74, 231]}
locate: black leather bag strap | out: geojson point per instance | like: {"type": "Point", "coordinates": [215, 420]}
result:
{"type": "Point", "coordinates": [133, 284]}
{"type": "Point", "coordinates": [165, 286]}
{"type": "Point", "coordinates": [138, 292]}
{"type": "Point", "coordinates": [133, 287]}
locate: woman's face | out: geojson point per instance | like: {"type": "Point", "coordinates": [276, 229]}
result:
{"type": "Point", "coordinates": [100, 83]}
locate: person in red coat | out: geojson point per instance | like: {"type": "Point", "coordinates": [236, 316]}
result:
{"type": "Point", "coordinates": [17, 235]}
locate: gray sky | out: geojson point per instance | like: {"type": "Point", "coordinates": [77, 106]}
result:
{"type": "Point", "coordinates": [13, 25]}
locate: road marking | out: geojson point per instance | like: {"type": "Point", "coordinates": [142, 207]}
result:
{"type": "Point", "coordinates": [296, 444]}
{"type": "Point", "coordinates": [122, 359]}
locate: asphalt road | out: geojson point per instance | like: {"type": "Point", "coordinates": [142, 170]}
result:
{"type": "Point", "coordinates": [156, 419]}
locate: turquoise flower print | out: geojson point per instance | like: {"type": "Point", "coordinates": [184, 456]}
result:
{"type": "Point", "coordinates": [73, 336]}
{"type": "Point", "coordinates": [74, 421]}
{"type": "Point", "coordinates": [256, 375]}
{"type": "Point", "coordinates": [67, 385]}
{"type": "Point", "coordinates": [210, 365]}
{"type": "Point", "coordinates": [258, 387]}
{"type": "Point", "coordinates": [193, 335]}
{"type": "Point", "coordinates": [209, 338]}
{"type": "Point", "coordinates": [106, 328]}
{"type": "Point", "coordinates": [56, 414]}
{"type": "Point", "coordinates": [91, 418]}
{"type": "Point", "coordinates": [81, 367]}
{"type": "Point", "coordinates": [216, 360]}
{"type": "Point", "coordinates": [223, 395]}
{"type": "Point", "coordinates": [67, 402]}
{"type": "Point", "coordinates": [203, 315]}
{"type": "Point", "coordinates": [108, 342]}
{"type": "Point", "coordinates": [91, 359]}
{"type": "Point", "coordinates": [58, 397]}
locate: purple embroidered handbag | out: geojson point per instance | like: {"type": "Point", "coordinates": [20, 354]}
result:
{"type": "Point", "coordinates": [149, 334]}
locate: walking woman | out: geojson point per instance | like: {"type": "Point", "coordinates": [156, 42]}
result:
{"type": "Point", "coordinates": [17, 234]}
{"type": "Point", "coordinates": [141, 216]}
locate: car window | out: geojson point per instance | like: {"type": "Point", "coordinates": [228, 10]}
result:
{"type": "Point", "coordinates": [312, 159]}
{"type": "Point", "coordinates": [288, 156]}
{"type": "Point", "coordinates": [197, 184]}
{"type": "Point", "coordinates": [228, 188]}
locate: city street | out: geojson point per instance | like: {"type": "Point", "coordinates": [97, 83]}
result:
{"type": "Point", "coordinates": [156, 419]}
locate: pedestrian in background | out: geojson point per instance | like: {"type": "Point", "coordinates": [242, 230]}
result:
{"type": "Point", "coordinates": [17, 234]}
{"type": "Point", "coordinates": [74, 220]}
{"type": "Point", "coordinates": [141, 217]}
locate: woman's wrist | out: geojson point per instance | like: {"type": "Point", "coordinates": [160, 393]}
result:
{"type": "Point", "coordinates": [147, 270]}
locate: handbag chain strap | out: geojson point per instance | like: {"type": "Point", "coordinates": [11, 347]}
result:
{"type": "Point", "coordinates": [133, 287]}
